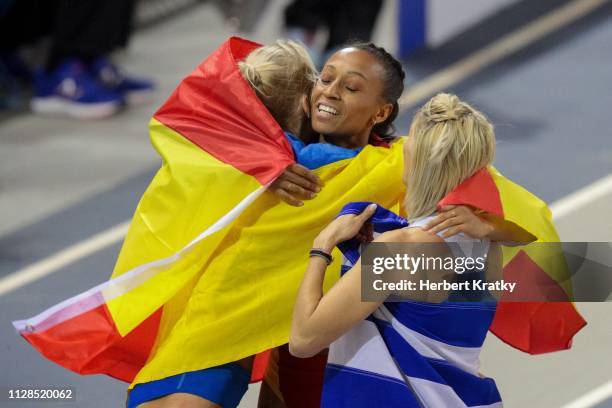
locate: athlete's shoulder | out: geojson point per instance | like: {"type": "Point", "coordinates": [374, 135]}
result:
{"type": "Point", "coordinates": [408, 235]}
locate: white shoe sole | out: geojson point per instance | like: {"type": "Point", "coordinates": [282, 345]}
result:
{"type": "Point", "coordinates": [62, 107]}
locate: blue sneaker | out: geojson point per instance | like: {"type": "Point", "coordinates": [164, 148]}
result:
{"type": "Point", "coordinates": [71, 91]}
{"type": "Point", "coordinates": [135, 91]}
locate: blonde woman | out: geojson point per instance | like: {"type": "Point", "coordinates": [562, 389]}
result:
{"type": "Point", "coordinates": [408, 353]}
{"type": "Point", "coordinates": [281, 74]}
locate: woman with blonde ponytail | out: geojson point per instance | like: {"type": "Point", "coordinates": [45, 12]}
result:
{"type": "Point", "coordinates": [454, 141]}
{"type": "Point", "coordinates": [408, 353]}
{"type": "Point", "coordinates": [281, 74]}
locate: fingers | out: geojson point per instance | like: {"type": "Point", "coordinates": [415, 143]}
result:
{"type": "Point", "coordinates": [441, 221]}
{"type": "Point", "coordinates": [279, 188]}
{"type": "Point", "coordinates": [297, 183]}
{"type": "Point", "coordinates": [353, 225]}
{"type": "Point", "coordinates": [300, 182]}
{"type": "Point", "coordinates": [361, 220]}
{"type": "Point", "coordinates": [367, 213]}
{"type": "Point", "coordinates": [450, 222]}
{"type": "Point", "coordinates": [452, 231]}
{"type": "Point", "coordinates": [295, 190]}
{"type": "Point", "coordinates": [458, 219]}
{"type": "Point", "coordinates": [303, 177]}
{"type": "Point", "coordinates": [288, 198]}
{"type": "Point", "coordinates": [434, 221]}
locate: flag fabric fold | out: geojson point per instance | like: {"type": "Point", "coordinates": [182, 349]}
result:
{"type": "Point", "coordinates": [242, 304]}
{"type": "Point", "coordinates": [532, 327]}
{"type": "Point", "coordinates": [210, 267]}
{"type": "Point", "coordinates": [210, 262]}
{"type": "Point", "coordinates": [220, 148]}
{"type": "Point", "coordinates": [411, 353]}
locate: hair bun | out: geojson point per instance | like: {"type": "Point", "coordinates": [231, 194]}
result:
{"type": "Point", "coordinates": [445, 107]}
{"type": "Point", "coordinates": [250, 73]}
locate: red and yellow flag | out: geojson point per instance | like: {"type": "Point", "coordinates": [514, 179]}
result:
{"type": "Point", "coordinates": [533, 327]}
{"type": "Point", "coordinates": [220, 147]}
{"type": "Point", "coordinates": [211, 265]}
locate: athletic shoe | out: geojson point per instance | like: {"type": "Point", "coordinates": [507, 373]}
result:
{"type": "Point", "coordinates": [135, 91]}
{"type": "Point", "coordinates": [70, 91]}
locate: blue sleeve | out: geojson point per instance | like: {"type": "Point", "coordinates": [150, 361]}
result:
{"type": "Point", "coordinates": [296, 145]}
{"type": "Point", "coordinates": [315, 155]}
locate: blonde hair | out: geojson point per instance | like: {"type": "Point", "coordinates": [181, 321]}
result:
{"type": "Point", "coordinates": [281, 74]}
{"type": "Point", "coordinates": [452, 141]}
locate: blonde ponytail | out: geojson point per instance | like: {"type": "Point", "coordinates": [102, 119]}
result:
{"type": "Point", "coordinates": [250, 73]}
{"type": "Point", "coordinates": [281, 74]}
{"type": "Point", "coordinates": [452, 141]}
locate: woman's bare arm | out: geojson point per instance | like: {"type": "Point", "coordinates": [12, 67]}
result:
{"type": "Point", "coordinates": [320, 319]}
{"type": "Point", "coordinates": [460, 218]}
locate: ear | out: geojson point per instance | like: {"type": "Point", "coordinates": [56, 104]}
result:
{"type": "Point", "coordinates": [306, 105]}
{"type": "Point", "coordinates": [383, 113]}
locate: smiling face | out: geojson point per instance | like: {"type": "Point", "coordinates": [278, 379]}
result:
{"type": "Point", "coordinates": [347, 100]}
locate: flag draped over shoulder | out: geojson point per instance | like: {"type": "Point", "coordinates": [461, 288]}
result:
{"type": "Point", "coordinates": [220, 147]}
{"type": "Point", "coordinates": [412, 353]}
{"type": "Point", "coordinates": [532, 327]}
{"type": "Point", "coordinates": [242, 304]}
{"type": "Point", "coordinates": [210, 267]}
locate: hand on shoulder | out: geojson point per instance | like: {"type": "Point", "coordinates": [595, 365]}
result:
{"type": "Point", "coordinates": [415, 234]}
